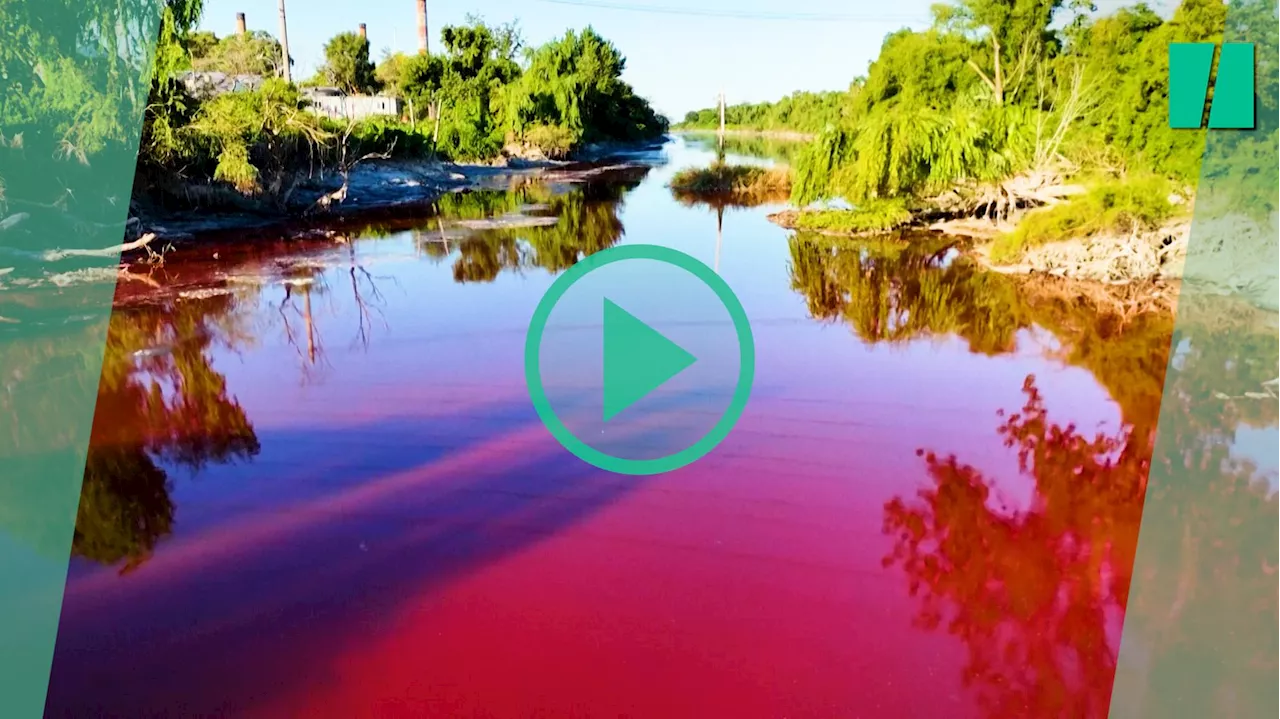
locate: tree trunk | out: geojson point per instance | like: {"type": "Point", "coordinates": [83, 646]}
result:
{"type": "Point", "coordinates": [999, 74]}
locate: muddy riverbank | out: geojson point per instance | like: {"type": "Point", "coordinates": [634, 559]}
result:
{"type": "Point", "coordinates": [377, 190]}
{"type": "Point", "coordinates": [1141, 257]}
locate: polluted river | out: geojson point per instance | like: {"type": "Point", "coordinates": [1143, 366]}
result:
{"type": "Point", "coordinates": [317, 486]}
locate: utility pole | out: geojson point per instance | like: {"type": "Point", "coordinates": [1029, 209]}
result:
{"type": "Point", "coordinates": [719, 233]}
{"type": "Point", "coordinates": [284, 44]}
{"type": "Point", "coordinates": [720, 135]}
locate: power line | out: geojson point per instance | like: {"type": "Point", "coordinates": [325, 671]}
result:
{"type": "Point", "coordinates": [737, 14]}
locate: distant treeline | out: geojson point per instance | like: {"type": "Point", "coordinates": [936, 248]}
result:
{"type": "Point", "coordinates": [807, 112]}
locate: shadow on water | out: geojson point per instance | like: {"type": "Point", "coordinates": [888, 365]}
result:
{"type": "Point", "coordinates": [161, 402]}
{"type": "Point", "coordinates": [239, 629]}
{"type": "Point", "coordinates": [250, 605]}
{"type": "Point", "coordinates": [227, 612]}
{"type": "Point", "coordinates": [223, 613]}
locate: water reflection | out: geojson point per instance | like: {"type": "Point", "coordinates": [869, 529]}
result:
{"type": "Point", "coordinates": [1201, 638]}
{"type": "Point", "coordinates": [160, 401]}
{"type": "Point", "coordinates": [903, 287]}
{"type": "Point", "coordinates": [586, 221]}
{"type": "Point", "coordinates": [1034, 592]}
{"type": "Point", "coordinates": [891, 289]}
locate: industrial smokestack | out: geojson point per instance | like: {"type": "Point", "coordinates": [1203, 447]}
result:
{"type": "Point", "coordinates": [422, 26]}
{"type": "Point", "coordinates": [240, 28]}
{"type": "Point", "coordinates": [363, 32]}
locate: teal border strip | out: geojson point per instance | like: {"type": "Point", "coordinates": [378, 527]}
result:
{"type": "Point", "coordinates": [74, 82]}
{"type": "Point", "coordinates": [1200, 631]}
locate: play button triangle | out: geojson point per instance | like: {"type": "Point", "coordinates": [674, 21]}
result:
{"type": "Point", "coordinates": [637, 359]}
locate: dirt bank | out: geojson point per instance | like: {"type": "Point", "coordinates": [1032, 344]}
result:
{"type": "Point", "coordinates": [378, 189]}
{"type": "Point", "coordinates": [1137, 257]}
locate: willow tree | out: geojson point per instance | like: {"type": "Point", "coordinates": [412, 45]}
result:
{"type": "Point", "coordinates": [921, 122]}
{"type": "Point", "coordinates": [978, 99]}
{"type": "Point", "coordinates": [575, 84]}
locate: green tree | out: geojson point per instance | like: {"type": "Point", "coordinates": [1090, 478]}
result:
{"type": "Point", "coordinates": [575, 83]}
{"type": "Point", "coordinates": [200, 44]}
{"type": "Point", "coordinates": [390, 72]}
{"type": "Point", "coordinates": [347, 65]}
{"type": "Point", "coordinates": [462, 87]}
{"type": "Point", "coordinates": [254, 53]}
{"type": "Point", "coordinates": [1017, 33]}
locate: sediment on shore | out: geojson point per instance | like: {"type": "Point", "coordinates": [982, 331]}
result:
{"type": "Point", "coordinates": [377, 188]}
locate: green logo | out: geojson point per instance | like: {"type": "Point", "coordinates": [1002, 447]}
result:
{"type": "Point", "coordinates": [638, 360]}
{"type": "Point", "coordinates": [1190, 81]}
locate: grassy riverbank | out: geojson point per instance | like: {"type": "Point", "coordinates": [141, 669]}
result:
{"type": "Point", "coordinates": [483, 98]}
{"type": "Point", "coordinates": [1042, 134]}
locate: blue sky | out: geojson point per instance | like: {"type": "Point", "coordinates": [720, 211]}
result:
{"type": "Point", "coordinates": [676, 56]}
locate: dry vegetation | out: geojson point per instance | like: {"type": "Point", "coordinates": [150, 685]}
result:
{"type": "Point", "coordinates": [736, 184]}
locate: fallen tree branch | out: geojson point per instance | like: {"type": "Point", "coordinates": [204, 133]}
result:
{"type": "Point", "coordinates": [141, 242]}
{"type": "Point", "coordinates": [325, 201]}
{"type": "Point", "coordinates": [123, 274]}
{"type": "Point", "coordinates": [56, 255]}
{"type": "Point", "coordinates": [12, 221]}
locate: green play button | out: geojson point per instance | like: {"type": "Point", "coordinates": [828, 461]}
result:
{"type": "Point", "coordinates": [641, 406]}
{"type": "Point", "coordinates": [637, 359]}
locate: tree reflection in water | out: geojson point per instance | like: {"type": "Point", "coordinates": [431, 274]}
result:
{"type": "Point", "coordinates": [1037, 592]}
{"type": "Point", "coordinates": [1032, 592]}
{"type": "Point", "coordinates": [159, 401]}
{"type": "Point", "coordinates": [587, 222]}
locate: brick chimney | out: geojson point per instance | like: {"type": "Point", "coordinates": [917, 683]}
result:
{"type": "Point", "coordinates": [422, 27]}
{"type": "Point", "coordinates": [363, 31]}
{"type": "Point", "coordinates": [240, 28]}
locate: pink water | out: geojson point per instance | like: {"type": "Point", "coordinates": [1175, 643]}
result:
{"type": "Point", "coordinates": [350, 509]}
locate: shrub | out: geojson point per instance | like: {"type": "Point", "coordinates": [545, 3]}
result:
{"type": "Point", "coordinates": [722, 179]}
{"type": "Point", "coordinates": [553, 141]}
{"type": "Point", "coordinates": [870, 216]}
{"type": "Point", "coordinates": [1111, 205]}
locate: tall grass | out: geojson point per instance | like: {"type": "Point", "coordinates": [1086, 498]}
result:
{"type": "Point", "coordinates": [1110, 206]}
{"type": "Point", "coordinates": [741, 183]}
{"type": "Point", "coordinates": [869, 216]}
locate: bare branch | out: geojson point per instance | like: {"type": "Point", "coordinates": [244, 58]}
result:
{"type": "Point", "coordinates": [986, 80]}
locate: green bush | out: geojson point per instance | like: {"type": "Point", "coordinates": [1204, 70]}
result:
{"type": "Point", "coordinates": [870, 216]}
{"type": "Point", "coordinates": [1111, 205]}
{"type": "Point", "coordinates": [553, 141]}
{"type": "Point", "coordinates": [739, 184]}
{"type": "Point", "coordinates": [387, 135]}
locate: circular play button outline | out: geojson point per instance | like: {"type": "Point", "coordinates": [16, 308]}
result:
{"type": "Point", "coordinates": [623, 465]}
